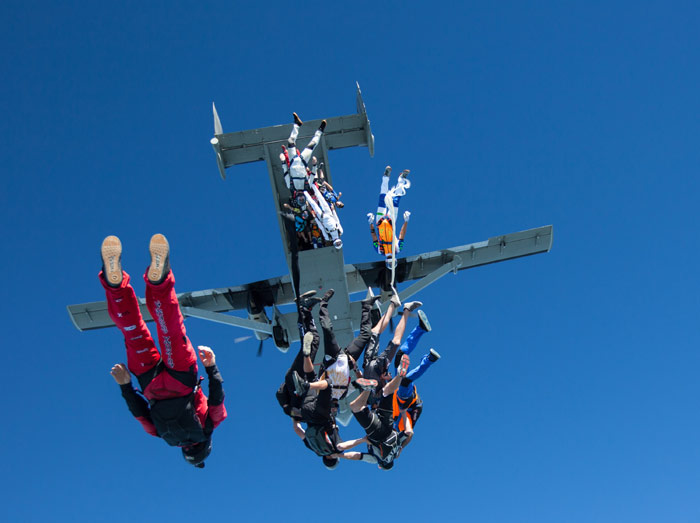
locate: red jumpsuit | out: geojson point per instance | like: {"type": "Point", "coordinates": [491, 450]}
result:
{"type": "Point", "coordinates": [178, 354]}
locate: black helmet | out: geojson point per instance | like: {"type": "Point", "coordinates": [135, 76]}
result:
{"type": "Point", "coordinates": [197, 453]}
{"type": "Point", "coordinates": [385, 466]}
{"type": "Point", "coordinates": [330, 463]}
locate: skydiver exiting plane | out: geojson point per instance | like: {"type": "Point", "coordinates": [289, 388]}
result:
{"type": "Point", "coordinates": [383, 239]}
{"type": "Point", "coordinates": [326, 217]}
{"type": "Point", "coordinates": [295, 165]}
{"type": "Point", "coordinates": [175, 407]}
{"type": "Point", "coordinates": [326, 189]}
{"type": "Point", "coordinates": [383, 442]}
{"type": "Point", "coordinates": [338, 363]}
{"type": "Point", "coordinates": [407, 404]}
{"type": "Point", "coordinates": [303, 362]}
{"type": "Point", "coordinates": [376, 366]}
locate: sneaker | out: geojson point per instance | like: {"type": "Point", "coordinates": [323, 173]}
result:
{"type": "Point", "coordinates": [387, 171]}
{"type": "Point", "coordinates": [370, 298]}
{"type": "Point", "coordinates": [395, 299]}
{"type": "Point", "coordinates": [301, 386]}
{"type": "Point", "coordinates": [322, 127]}
{"type": "Point", "coordinates": [308, 340]}
{"type": "Point", "coordinates": [297, 120]}
{"type": "Point", "coordinates": [423, 321]}
{"type": "Point", "coordinates": [329, 294]}
{"type": "Point", "coordinates": [404, 173]}
{"type": "Point", "coordinates": [412, 305]}
{"type": "Point", "coordinates": [433, 356]}
{"type": "Point", "coordinates": [402, 369]}
{"type": "Point", "coordinates": [160, 259]}
{"type": "Point", "coordinates": [365, 384]}
{"type": "Point", "coordinates": [338, 243]}
{"type": "Point", "coordinates": [306, 295]}
{"type": "Point", "coordinates": [111, 252]}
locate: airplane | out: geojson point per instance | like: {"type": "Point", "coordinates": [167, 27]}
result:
{"type": "Point", "coordinates": [322, 268]}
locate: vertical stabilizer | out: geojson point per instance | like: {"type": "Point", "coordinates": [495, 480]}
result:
{"type": "Point", "coordinates": [217, 123]}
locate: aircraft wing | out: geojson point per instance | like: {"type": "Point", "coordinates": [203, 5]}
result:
{"type": "Point", "coordinates": [424, 268]}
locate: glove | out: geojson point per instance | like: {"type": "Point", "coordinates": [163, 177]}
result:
{"type": "Point", "coordinates": [370, 218]}
{"type": "Point", "coordinates": [406, 215]}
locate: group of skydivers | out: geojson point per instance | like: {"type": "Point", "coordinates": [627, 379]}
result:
{"type": "Point", "coordinates": [171, 404]}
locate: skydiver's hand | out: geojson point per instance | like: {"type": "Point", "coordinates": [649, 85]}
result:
{"type": "Point", "coordinates": [406, 215]}
{"type": "Point", "coordinates": [370, 218]}
{"type": "Point", "coordinates": [121, 374]}
{"type": "Point", "coordinates": [206, 355]}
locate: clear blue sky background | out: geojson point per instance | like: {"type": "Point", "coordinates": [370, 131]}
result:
{"type": "Point", "coordinates": [568, 387]}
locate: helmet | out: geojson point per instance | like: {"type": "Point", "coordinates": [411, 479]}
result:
{"type": "Point", "coordinates": [197, 453]}
{"type": "Point", "coordinates": [330, 463]}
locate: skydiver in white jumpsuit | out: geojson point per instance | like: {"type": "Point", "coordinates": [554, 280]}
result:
{"type": "Point", "coordinates": [326, 217]}
{"type": "Point", "coordinates": [295, 164]}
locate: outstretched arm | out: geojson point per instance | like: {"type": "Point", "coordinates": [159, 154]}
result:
{"type": "Point", "coordinates": [137, 405]}
{"type": "Point", "coordinates": [217, 410]}
{"type": "Point", "coordinates": [351, 443]}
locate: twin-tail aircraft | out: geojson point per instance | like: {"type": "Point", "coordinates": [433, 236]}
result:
{"type": "Point", "coordinates": [322, 268]}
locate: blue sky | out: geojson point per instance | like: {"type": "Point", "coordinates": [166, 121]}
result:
{"type": "Point", "coordinates": [567, 389]}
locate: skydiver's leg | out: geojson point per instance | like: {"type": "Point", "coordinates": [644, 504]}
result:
{"type": "Point", "coordinates": [292, 141]}
{"type": "Point", "coordinates": [413, 375]}
{"type": "Point", "coordinates": [383, 189]}
{"type": "Point", "coordinates": [123, 308]}
{"type": "Point", "coordinates": [412, 340]}
{"type": "Point", "coordinates": [178, 353]}
{"type": "Point", "coordinates": [309, 149]}
{"type": "Point", "coordinates": [161, 300]}
{"type": "Point", "coordinates": [329, 341]}
{"type": "Point", "coordinates": [358, 344]}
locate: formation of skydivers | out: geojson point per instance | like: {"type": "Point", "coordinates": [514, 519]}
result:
{"type": "Point", "coordinates": [171, 403]}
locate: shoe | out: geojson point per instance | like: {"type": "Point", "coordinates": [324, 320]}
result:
{"type": "Point", "coordinates": [160, 259]}
{"type": "Point", "coordinates": [404, 173]}
{"type": "Point", "coordinates": [395, 299]}
{"type": "Point", "coordinates": [365, 384]}
{"type": "Point", "coordinates": [338, 243]}
{"type": "Point", "coordinates": [412, 305]}
{"type": "Point", "coordinates": [301, 386]}
{"type": "Point", "coordinates": [433, 356]}
{"type": "Point", "coordinates": [329, 294]}
{"type": "Point", "coordinates": [371, 300]}
{"type": "Point", "coordinates": [308, 340]}
{"type": "Point", "coordinates": [423, 321]}
{"type": "Point", "coordinates": [402, 369]}
{"type": "Point", "coordinates": [305, 296]}
{"type": "Point", "coordinates": [322, 127]}
{"type": "Point", "coordinates": [387, 171]}
{"type": "Point", "coordinates": [297, 120]}
{"type": "Point", "coordinates": [111, 252]}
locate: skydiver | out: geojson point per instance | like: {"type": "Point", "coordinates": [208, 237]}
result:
{"type": "Point", "coordinates": [175, 407]}
{"type": "Point", "coordinates": [303, 362]}
{"type": "Point", "coordinates": [338, 362]}
{"type": "Point", "coordinates": [326, 217]}
{"type": "Point", "coordinates": [383, 442]}
{"type": "Point", "coordinates": [385, 219]}
{"type": "Point", "coordinates": [407, 404]}
{"type": "Point", "coordinates": [326, 189]}
{"type": "Point", "coordinates": [295, 164]}
{"type": "Point", "coordinates": [376, 366]}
